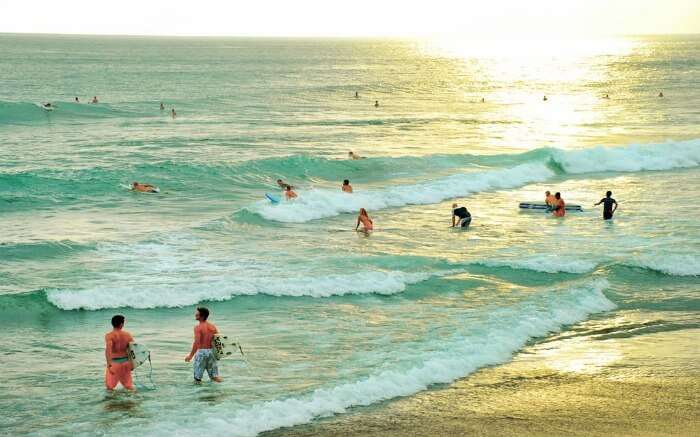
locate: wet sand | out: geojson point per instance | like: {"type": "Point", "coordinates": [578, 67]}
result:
{"type": "Point", "coordinates": [647, 385]}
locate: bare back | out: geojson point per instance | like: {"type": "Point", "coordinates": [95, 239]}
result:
{"type": "Point", "coordinates": [203, 335]}
{"type": "Point", "coordinates": [117, 341]}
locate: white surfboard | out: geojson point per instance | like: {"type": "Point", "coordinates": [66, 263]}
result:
{"type": "Point", "coordinates": [138, 354]}
{"type": "Point", "coordinates": [224, 347]}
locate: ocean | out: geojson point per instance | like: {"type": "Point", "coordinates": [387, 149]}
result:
{"type": "Point", "coordinates": [330, 319]}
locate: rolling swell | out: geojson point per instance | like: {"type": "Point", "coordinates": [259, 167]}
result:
{"type": "Point", "coordinates": [34, 113]}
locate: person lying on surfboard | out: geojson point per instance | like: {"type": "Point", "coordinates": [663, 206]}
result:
{"type": "Point", "coordinates": [202, 352]}
{"type": "Point", "coordinates": [289, 194]}
{"type": "Point", "coordinates": [367, 222]}
{"type": "Point", "coordinates": [144, 188]}
{"type": "Point", "coordinates": [118, 365]}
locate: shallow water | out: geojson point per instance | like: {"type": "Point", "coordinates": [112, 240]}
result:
{"type": "Point", "coordinates": [329, 319]}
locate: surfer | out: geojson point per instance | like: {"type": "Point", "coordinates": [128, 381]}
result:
{"type": "Point", "coordinates": [162, 106]}
{"type": "Point", "coordinates": [606, 96]}
{"type": "Point", "coordinates": [357, 95]}
{"type": "Point", "coordinates": [118, 365]}
{"type": "Point", "coordinates": [48, 105]}
{"type": "Point", "coordinates": [204, 358]}
{"type": "Point", "coordinates": [283, 185]}
{"type": "Point", "coordinates": [353, 155]}
{"type": "Point", "coordinates": [609, 206]}
{"type": "Point", "coordinates": [144, 188]}
{"type": "Point", "coordinates": [376, 103]}
{"type": "Point", "coordinates": [77, 100]}
{"type": "Point", "coordinates": [549, 200]}
{"type": "Point", "coordinates": [460, 216]}
{"type": "Point", "coordinates": [289, 194]}
{"type": "Point", "coordinates": [94, 100]}
{"type": "Point", "coordinates": [661, 94]}
{"type": "Point", "coordinates": [559, 206]}
{"type": "Point", "coordinates": [347, 188]}
{"type": "Point", "coordinates": [544, 99]}
{"type": "Point", "coordinates": [173, 113]}
{"type": "Point", "coordinates": [367, 222]}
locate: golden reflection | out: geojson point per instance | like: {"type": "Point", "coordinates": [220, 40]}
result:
{"type": "Point", "coordinates": [582, 356]}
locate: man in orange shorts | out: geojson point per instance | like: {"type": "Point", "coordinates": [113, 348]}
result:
{"type": "Point", "coordinates": [118, 365]}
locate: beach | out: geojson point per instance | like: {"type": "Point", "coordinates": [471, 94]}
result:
{"type": "Point", "coordinates": [520, 323]}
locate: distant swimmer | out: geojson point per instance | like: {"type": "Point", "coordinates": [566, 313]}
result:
{"type": "Point", "coordinates": [483, 100]}
{"type": "Point", "coordinates": [544, 99]}
{"type": "Point", "coordinates": [559, 206]}
{"type": "Point", "coordinates": [173, 113]}
{"type": "Point", "coordinates": [144, 188]}
{"type": "Point", "coordinates": [376, 103]}
{"type": "Point", "coordinates": [118, 366]}
{"type": "Point", "coordinates": [94, 100]}
{"type": "Point", "coordinates": [289, 194]}
{"type": "Point", "coordinates": [549, 200]}
{"type": "Point", "coordinates": [48, 105]}
{"type": "Point", "coordinates": [204, 358]}
{"type": "Point", "coordinates": [609, 206]}
{"type": "Point", "coordinates": [162, 106]}
{"type": "Point", "coordinates": [283, 185]}
{"type": "Point", "coordinates": [606, 96]}
{"type": "Point", "coordinates": [661, 94]}
{"type": "Point", "coordinates": [460, 216]}
{"type": "Point", "coordinates": [357, 95]}
{"type": "Point", "coordinates": [353, 155]}
{"type": "Point", "coordinates": [77, 100]}
{"type": "Point", "coordinates": [347, 188]}
{"type": "Point", "coordinates": [367, 223]}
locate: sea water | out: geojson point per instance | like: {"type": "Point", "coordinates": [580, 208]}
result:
{"type": "Point", "coordinates": [329, 319]}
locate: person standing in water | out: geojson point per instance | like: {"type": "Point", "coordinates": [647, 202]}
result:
{"type": "Point", "coordinates": [609, 206]}
{"type": "Point", "coordinates": [162, 106]}
{"type": "Point", "coordinates": [367, 222]}
{"type": "Point", "coordinates": [661, 94]}
{"type": "Point", "coordinates": [460, 216]}
{"type": "Point", "coordinates": [347, 188]}
{"type": "Point", "coordinates": [201, 351]}
{"type": "Point", "coordinates": [289, 194]}
{"type": "Point", "coordinates": [118, 366]}
{"type": "Point", "coordinates": [77, 100]}
{"type": "Point", "coordinates": [559, 207]}
{"type": "Point", "coordinates": [94, 100]}
{"type": "Point", "coordinates": [549, 200]}
{"type": "Point", "coordinates": [173, 113]}
{"type": "Point", "coordinates": [357, 95]}
{"type": "Point", "coordinates": [376, 103]}
{"type": "Point", "coordinates": [544, 99]}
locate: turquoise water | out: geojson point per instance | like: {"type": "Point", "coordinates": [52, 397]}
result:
{"type": "Point", "coordinates": [330, 319]}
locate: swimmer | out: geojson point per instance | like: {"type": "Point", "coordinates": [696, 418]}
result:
{"type": "Point", "coordinates": [47, 105]}
{"type": "Point", "coordinates": [461, 213]}
{"type": "Point", "coordinates": [289, 194]}
{"type": "Point", "coordinates": [609, 206]}
{"type": "Point", "coordinates": [204, 358]}
{"type": "Point", "coordinates": [367, 222]}
{"type": "Point", "coordinates": [283, 185]}
{"type": "Point", "coordinates": [173, 113]}
{"type": "Point", "coordinates": [357, 95]}
{"type": "Point", "coordinates": [162, 106]}
{"type": "Point", "coordinates": [661, 94]}
{"type": "Point", "coordinates": [376, 103]}
{"type": "Point", "coordinates": [144, 188]}
{"type": "Point", "coordinates": [77, 100]}
{"type": "Point", "coordinates": [347, 188]}
{"type": "Point", "coordinates": [94, 100]}
{"type": "Point", "coordinates": [353, 155]}
{"type": "Point", "coordinates": [559, 206]}
{"type": "Point", "coordinates": [118, 365]}
{"type": "Point", "coordinates": [544, 99]}
{"type": "Point", "coordinates": [549, 200]}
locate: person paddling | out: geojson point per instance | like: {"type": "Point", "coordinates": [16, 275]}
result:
{"type": "Point", "coordinates": [460, 216]}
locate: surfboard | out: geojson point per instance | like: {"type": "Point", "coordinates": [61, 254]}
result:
{"type": "Point", "coordinates": [221, 346]}
{"type": "Point", "coordinates": [272, 198]}
{"type": "Point", "coordinates": [543, 206]}
{"type": "Point", "coordinates": [137, 354]}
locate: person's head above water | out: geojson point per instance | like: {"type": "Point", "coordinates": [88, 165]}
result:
{"type": "Point", "coordinates": [608, 194]}
{"type": "Point", "coordinates": [557, 195]}
{"type": "Point", "coordinates": [547, 193]}
{"type": "Point", "coordinates": [201, 314]}
{"type": "Point", "coordinates": [134, 184]}
{"type": "Point", "coordinates": [454, 205]}
{"type": "Point", "coordinates": [346, 182]}
{"type": "Point", "coordinates": [288, 188]}
{"type": "Point", "coordinates": [118, 321]}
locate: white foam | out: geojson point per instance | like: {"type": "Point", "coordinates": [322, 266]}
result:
{"type": "Point", "coordinates": [670, 264]}
{"type": "Point", "coordinates": [631, 158]}
{"type": "Point", "coordinates": [544, 263]}
{"type": "Point", "coordinates": [158, 293]}
{"type": "Point", "coordinates": [505, 332]}
{"type": "Point", "coordinates": [317, 203]}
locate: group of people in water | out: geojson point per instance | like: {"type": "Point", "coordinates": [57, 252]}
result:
{"type": "Point", "coordinates": [557, 206]}
{"type": "Point", "coordinates": [119, 367]}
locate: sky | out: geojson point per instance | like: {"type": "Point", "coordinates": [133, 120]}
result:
{"type": "Point", "coordinates": [351, 17]}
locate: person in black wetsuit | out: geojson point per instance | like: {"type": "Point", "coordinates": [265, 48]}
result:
{"type": "Point", "coordinates": [460, 216]}
{"type": "Point", "coordinates": [609, 206]}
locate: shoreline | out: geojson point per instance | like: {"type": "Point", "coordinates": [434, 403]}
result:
{"type": "Point", "coordinates": [561, 387]}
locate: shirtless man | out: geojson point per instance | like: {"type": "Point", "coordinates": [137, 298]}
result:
{"type": "Point", "coordinates": [289, 194]}
{"type": "Point", "coordinates": [144, 188]}
{"type": "Point", "coordinates": [559, 206]}
{"type": "Point", "coordinates": [118, 365]}
{"type": "Point", "coordinates": [201, 348]}
{"type": "Point", "coordinates": [347, 188]}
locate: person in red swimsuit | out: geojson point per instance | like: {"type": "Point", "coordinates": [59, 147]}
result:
{"type": "Point", "coordinates": [118, 365]}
